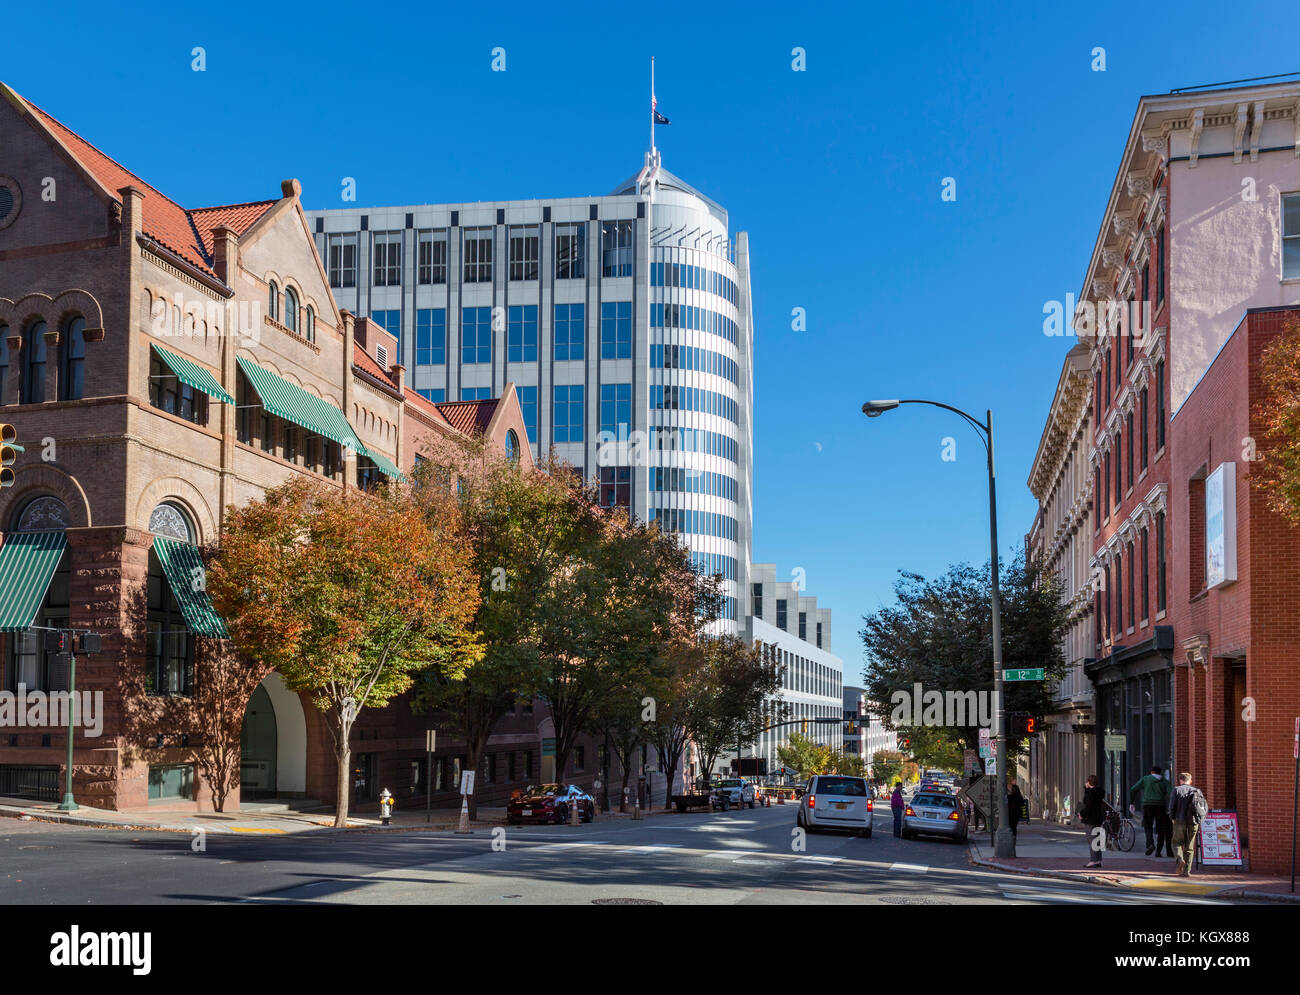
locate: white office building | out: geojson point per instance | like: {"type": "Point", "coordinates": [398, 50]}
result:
{"type": "Point", "coordinates": [623, 321]}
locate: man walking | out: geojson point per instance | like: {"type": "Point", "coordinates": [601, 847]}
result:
{"type": "Point", "coordinates": [897, 804]}
{"type": "Point", "coordinates": [1092, 813]}
{"type": "Point", "coordinates": [1187, 807]}
{"type": "Point", "coordinates": [1154, 790]}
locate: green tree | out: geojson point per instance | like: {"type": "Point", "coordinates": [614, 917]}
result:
{"type": "Point", "coordinates": [802, 754]}
{"type": "Point", "coordinates": [737, 684]}
{"type": "Point", "coordinates": [886, 766]}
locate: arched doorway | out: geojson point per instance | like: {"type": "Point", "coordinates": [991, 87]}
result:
{"type": "Point", "coordinates": [258, 747]}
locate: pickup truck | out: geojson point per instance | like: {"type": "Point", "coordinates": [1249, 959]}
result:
{"type": "Point", "coordinates": [732, 791]}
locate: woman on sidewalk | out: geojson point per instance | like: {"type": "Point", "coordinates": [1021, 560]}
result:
{"type": "Point", "coordinates": [1092, 813]}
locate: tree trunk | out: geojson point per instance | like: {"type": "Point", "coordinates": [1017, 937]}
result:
{"type": "Point", "coordinates": [622, 795]}
{"type": "Point", "coordinates": [344, 755]}
{"type": "Point", "coordinates": [473, 758]}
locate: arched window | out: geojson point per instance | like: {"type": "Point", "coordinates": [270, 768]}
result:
{"type": "Point", "coordinates": [273, 304]}
{"type": "Point", "coordinates": [169, 643]}
{"type": "Point", "coordinates": [4, 362]}
{"type": "Point", "coordinates": [512, 446]}
{"type": "Point", "coordinates": [34, 363]}
{"type": "Point", "coordinates": [72, 380]}
{"type": "Point", "coordinates": [171, 521]}
{"type": "Point", "coordinates": [290, 309]}
{"type": "Point", "coordinates": [310, 330]}
{"type": "Point", "coordinates": [29, 664]}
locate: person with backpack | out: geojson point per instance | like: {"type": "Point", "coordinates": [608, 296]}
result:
{"type": "Point", "coordinates": [1155, 800]}
{"type": "Point", "coordinates": [1092, 813]}
{"type": "Point", "coordinates": [1187, 807]}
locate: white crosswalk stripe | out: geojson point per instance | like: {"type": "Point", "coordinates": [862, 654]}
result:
{"type": "Point", "coordinates": [916, 868]}
{"type": "Point", "coordinates": [655, 848]}
{"type": "Point", "coordinates": [1092, 896]}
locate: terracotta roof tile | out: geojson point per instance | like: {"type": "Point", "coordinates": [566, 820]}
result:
{"type": "Point", "coordinates": [238, 217]}
{"type": "Point", "coordinates": [469, 417]}
{"type": "Point", "coordinates": [363, 359]}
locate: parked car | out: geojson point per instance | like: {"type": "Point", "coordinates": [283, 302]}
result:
{"type": "Point", "coordinates": [549, 803]}
{"type": "Point", "coordinates": [935, 814]}
{"type": "Point", "coordinates": [837, 802]}
{"type": "Point", "coordinates": [732, 792]}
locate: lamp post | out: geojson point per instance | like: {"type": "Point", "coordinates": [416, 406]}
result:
{"type": "Point", "coordinates": [1004, 842]}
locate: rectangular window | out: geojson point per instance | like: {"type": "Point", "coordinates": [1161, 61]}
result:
{"type": "Point", "coordinates": [476, 335]}
{"type": "Point", "coordinates": [1160, 405]}
{"type": "Point", "coordinates": [1129, 452]}
{"type": "Point", "coordinates": [1107, 377]}
{"type": "Point", "coordinates": [819, 635]}
{"type": "Point", "coordinates": [780, 613]}
{"type": "Point", "coordinates": [616, 409]}
{"type": "Point", "coordinates": [478, 255]}
{"type": "Point", "coordinates": [430, 336]}
{"type": "Point", "coordinates": [803, 625]}
{"type": "Point", "coordinates": [1119, 597]}
{"type": "Point", "coordinates": [167, 393]}
{"type": "Point", "coordinates": [168, 781]}
{"type": "Point", "coordinates": [432, 260]}
{"type": "Point", "coordinates": [1160, 265]}
{"type": "Point", "coordinates": [388, 258]}
{"type": "Point", "coordinates": [1132, 329]}
{"type": "Point", "coordinates": [616, 248]}
{"type": "Point", "coordinates": [435, 394]}
{"type": "Point", "coordinates": [1146, 577]}
{"type": "Point", "coordinates": [390, 321]}
{"type": "Point", "coordinates": [570, 246]}
{"type": "Point", "coordinates": [1103, 486]}
{"type": "Point", "coordinates": [616, 330]}
{"type": "Point", "coordinates": [528, 406]}
{"type": "Point", "coordinates": [1119, 485]}
{"type": "Point", "coordinates": [615, 486]}
{"type": "Point", "coordinates": [1160, 561]}
{"type": "Point", "coordinates": [1132, 584]}
{"type": "Point", "coordinates": [570, 331]}
{"type": "Point", "coordinates": [568, 410]}
{"type": "Point", "coordinates": [1106, 598]}
{"type": "Point", "coordinates": [476, 393]}
{"type": "Point", "coordinates": [756, 594]}
{"type": "Point", "coordinates": [342, 250]}
{"type": "Point", "coordinates": [523, 253]}
{"type": "Point", "coordinates": [521, 333]}
{"type": "Point", "coordinates": [1143, 410]}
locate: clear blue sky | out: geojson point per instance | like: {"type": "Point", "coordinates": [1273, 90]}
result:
{"type": "Point", "coordinates": [835, 172]}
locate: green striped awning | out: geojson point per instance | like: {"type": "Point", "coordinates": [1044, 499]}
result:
{"type": "Point", "coordinates": [193, 375]}
{"type": "Point", "coordinates": [292, 403]}
{"type": "Point", "coordinates": [186, 575]}
{"type": "Point", "coordinates": [27, 564]}
{"type": "Point", "coordinates": [385, 465]}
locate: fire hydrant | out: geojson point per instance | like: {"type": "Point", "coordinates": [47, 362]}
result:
{"type": "Point", "coordinates": [385, 806]}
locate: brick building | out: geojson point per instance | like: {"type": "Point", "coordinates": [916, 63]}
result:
{"type": "Point", "coordinates": [160, 364]}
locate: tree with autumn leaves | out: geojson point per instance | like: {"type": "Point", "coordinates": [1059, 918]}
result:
{"type": "Point", "coordinates": [1276, 471]}
{"type": "Point", "coordinates": [348, 594]}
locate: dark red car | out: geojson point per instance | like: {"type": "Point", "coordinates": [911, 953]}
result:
{"type": "Point", "coordinates": [549, 803]}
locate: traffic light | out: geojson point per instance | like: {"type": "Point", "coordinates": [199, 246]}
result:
{"type": "Point", "coordinates": [9, 450]}
{"type": "Point", "coordinates": [58, 641]}
{"type": "Point", "coordinates": [87, 642]}
{"type": "Point", "coordinates": [1022, 724]}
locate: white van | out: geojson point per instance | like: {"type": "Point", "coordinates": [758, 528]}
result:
{"type": "Point", "coordinates": [836, 801]}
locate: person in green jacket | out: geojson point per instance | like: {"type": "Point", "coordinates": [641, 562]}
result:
{"type": "Point", "coordinates": [1155, 796]}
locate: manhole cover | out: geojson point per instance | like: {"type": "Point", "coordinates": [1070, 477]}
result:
{"type": "Point", "coordinates": [913, 900]}
{"type": "Point", "coordinates": [625, 901]}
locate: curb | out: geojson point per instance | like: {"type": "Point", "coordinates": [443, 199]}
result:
{"type": "Point", "coordinates": [1228, 891]}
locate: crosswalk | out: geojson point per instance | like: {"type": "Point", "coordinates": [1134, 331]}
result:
{"type": "Point", "coordinates": [1064, 895]}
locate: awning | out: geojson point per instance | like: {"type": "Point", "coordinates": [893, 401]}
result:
{"type": "Point", "coordinates": [27, 564]}
{"type": "Point", "coordinates": [193, 375]}
{"type": "Point", "coordinates": [385, 465]}
{"type": "Point", "coordinates": [185, 573]}
{"type": "Point", "coordinates": [292, 403]}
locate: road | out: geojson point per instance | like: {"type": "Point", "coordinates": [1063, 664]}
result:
{"type": "Point", "coordinates": [737, 857]}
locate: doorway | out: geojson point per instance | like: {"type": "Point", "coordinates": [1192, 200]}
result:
{"type": "Point", "coordinates": [258, 747]}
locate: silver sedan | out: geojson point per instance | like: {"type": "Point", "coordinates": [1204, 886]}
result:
{"type": "Point", "coordinates": [934, 814]}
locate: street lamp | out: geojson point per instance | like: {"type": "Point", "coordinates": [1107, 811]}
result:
{"type": "Point", "coordinates": [1004, 841]}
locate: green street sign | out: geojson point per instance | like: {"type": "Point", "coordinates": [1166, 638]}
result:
{"type": "Point", "coordinates": [1023, 675]}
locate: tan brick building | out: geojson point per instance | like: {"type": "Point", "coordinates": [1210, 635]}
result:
{"type": "Point", "coordinates": [160, 364]}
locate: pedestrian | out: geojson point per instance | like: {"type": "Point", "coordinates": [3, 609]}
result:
{"type": "Point", "coordinates": [1187, 807]}
{"type": "Point", "coordinates": [1154, 790]}
{"type": "Point", "coordinates": [1015, 801]}
{"type": "Point", "coordinates": [1092, 813]}
{"type": "Point", "coordinates": [897, 804]}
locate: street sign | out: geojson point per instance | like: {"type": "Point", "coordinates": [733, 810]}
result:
{"type": "Point", "coordinates": [1036, 674]}
{"type": "Point", "coordinates": [430, 737]}
{"type": "Point", "coordinates": [467, 782]}
{"type": "Point", "coordinates": [980, 792]}
{"type": "Point", "coordinates": [1116, 742]}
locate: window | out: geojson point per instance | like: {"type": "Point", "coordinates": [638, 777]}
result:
{"type": "Point", "coordinates": [528, 406]}
{"type": "Point", "coordinates": [523, 253]}
{"type": "Point", "coordinates": [29, 664]}
{"type": "Point", "coordinates": [756, 594]}
{"type": "Point", "coordinates": [476, 335]}
{"type": "Point", "coordinates": [1119, 595]}
{"type": "Point", "coordinates": [1097, 395]}
{"type": "Point", "coordinates": [430, 336]}
{"type": "Point", "coordinates": [616, 409]}
{"type": "Point", "coordinates": [521, 332]}
{"type": "Point", "coordinates": [431, 258]}
{"type": "Point", "coordinates": [1106, 598]}
{"type": "Point", "coordinates": [512, 446]}
{"type": "Point", "coordinates": [1132, 584]}
{"type": "Point", "coordinates": [1142, 404]}
{"type": "Point", "coordinates": [72, 384]}
{"type": "Point", "coordinates": [478, 255]}
{"type": "Point", "coordinates": [570, 331]}
{"type": "Point", "coordinates": [1129, 452]}
{"type": "Point", "coordinates": [570, 242]}
{"type": "Point", "coordinates": [780, 613]}
{"type": "Point", "coordinates": [1160, 405]}
{"type": "Point", "coordinates": [1160, 265]}
{"type": "Point", "coordinates": [391, 322]}
{"type": "Point", "coordinates": [168, 781]}
{"type": "Point", "coordinates": [616, 330]}
{"type": "Point", "coordinates": [33, 391]}
{"type": "Point", "coordinates": [435, 394]}
{"type": "Point", "coordinates": [1291, 237]}
{"type": "Point", "coordinates": [803, 626]}
{"type": "Point", "coordinates": [167, 393]}
{"type": "Point", "coordinates": [475, 393]}
{"type": "Point", "coordinates": [343, 260]}
{"type": "Point", "coordinates": [388, 259]}
{"type": "Point", "coordinates": [290, 309]}
{"type": "Point", "coordinates": [1160, 561]}
{"type": "Point", "coordinates": [1119, 484]}
{"type": "Point", "coordinates": [272, 302]}
{"type": "Point", "coordinates": [1103, 486]}
{"type": "Point", "coordinates": [615, 486]}
{"type": "Point", "coordinates": [568, 413]}
{"type": "Point", "coordinates": [819, 635]}
{"type": "Point", "coordinates": [616, 248]}
{"type": "Point", "coordinates": [1108, 376]}
{"type": "Point", "coordinates": [1146, 578]}
{"type": "Point", "coordinates": [169, 644]}
{"type": "Point", "coordinates": [309, 330]}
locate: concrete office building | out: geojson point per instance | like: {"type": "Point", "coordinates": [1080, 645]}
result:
{"type": "Point", "coordinates": [623, 321]}
{"type": "Point", "coordinates": [874, 737]}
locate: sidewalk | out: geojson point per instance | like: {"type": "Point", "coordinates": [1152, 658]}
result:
{"type": "Point", "coordinates": [271, 820]}
{"type": "Point", "coordinates": [1051, 850]}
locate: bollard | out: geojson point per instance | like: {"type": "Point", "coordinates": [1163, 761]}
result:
{"type": "Point", "coordinates": [464, 815]}
{"type": "Point", "coordinates": [573, 811]}
{"type": "Point", "coordinates": [636, 812]}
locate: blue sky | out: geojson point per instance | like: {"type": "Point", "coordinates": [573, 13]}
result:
{"type": "Point", "coordinates": [836, 173]}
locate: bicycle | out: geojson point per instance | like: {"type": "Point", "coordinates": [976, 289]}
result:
{"type": "Point", "coordinates": [1121, 834]}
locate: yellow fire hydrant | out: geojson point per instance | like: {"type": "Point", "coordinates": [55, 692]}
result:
{"type": "Point", "coordinates": [385, 806]}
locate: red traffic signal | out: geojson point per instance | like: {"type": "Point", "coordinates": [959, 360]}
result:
{"type": "Point", "coordinates": [1022, 724]}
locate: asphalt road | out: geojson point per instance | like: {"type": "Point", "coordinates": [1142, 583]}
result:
{"type": "Point", "coordinates": [735, 857]}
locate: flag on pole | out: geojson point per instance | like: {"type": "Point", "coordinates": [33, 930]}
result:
{"type": "Point", "coordinates": [655, 116]}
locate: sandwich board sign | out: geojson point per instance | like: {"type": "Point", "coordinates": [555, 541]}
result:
{"type": "Point", "coordinates": [1220, 839]}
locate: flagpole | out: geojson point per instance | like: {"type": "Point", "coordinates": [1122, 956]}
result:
{"type": "Point", "coordinates": [652, 106]}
